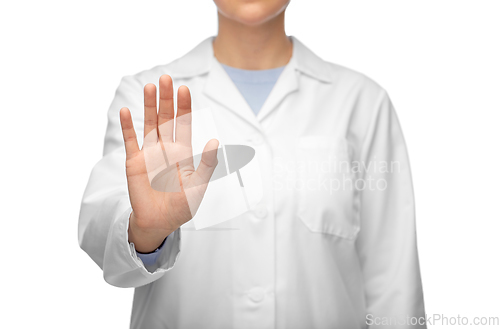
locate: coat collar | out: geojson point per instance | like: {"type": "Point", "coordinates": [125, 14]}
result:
{"type": "Point", "coordinates": [219, 87]}
{"type": "Point", "coordinates": [199, 61]}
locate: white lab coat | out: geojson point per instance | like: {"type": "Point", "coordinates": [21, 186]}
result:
{"type": "Point", "coordinates": [308, 254]}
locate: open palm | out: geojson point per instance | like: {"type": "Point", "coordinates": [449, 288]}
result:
{"type": "Point", "coordinates": [164, 188]}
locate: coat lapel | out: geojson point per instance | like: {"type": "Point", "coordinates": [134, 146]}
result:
{"type": "Point", "coordinates": [220, 88]}
{"type": "Point", "coordinates": [303, 61]}
{"type": "Point", "coordinates": [287, 83]}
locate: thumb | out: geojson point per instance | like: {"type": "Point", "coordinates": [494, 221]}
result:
{"type": "Point", "coordinates": [208, 161]}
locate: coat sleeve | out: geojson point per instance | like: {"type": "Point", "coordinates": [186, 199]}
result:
{"type": "Point", "coordinates": [387, 239]}
{"type": "Point", "coordinates": [105, 208]}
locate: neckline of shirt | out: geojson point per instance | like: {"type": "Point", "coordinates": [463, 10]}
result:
{"type": "Point", "coordinates": [253, 76]}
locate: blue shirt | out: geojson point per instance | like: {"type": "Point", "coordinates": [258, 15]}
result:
{"type": "Point", "coordinates": [255, 86]}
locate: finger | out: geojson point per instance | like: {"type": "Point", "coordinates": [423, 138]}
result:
{"type": "Point", "coordinates": [150, 115]}
{"type": "Point", "coordinates": [183, 118]}
{"type": "Point", "coordinates": [166, 109]}
{"type": "Point", "coordinates": [208, 162]}
{"type": "Point", "coordinates": [129, 137]}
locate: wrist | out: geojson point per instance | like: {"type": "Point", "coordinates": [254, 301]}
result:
{"type": "Point", "coordinates": [154, 251]}
{"type": "Point", "coordinates": [145, 241]}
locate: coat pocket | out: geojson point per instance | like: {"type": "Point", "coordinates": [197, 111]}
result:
{"type": "Point", "coordinates": [325, 186]}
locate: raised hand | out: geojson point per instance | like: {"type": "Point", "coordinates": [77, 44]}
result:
{"type": "Point", "coordinates": [159, 211]}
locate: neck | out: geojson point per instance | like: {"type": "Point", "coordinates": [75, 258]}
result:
{"type": "Point", "coordinates": [261, 47]}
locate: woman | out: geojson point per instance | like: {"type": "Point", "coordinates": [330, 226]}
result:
{"type": "Point", "coordinates": [323, 234]}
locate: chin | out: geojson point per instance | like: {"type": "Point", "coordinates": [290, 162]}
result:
{"type": "Point", "coordinates": [251, 12]}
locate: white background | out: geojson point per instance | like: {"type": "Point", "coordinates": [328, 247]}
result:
{"type": "Point", "coordinates": [61, 62]}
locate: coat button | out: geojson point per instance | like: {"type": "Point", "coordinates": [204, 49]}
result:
{"type": "Point", "coordinates": [256, 294]}
{"type": "Point", "coordinates": [261, 211]}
